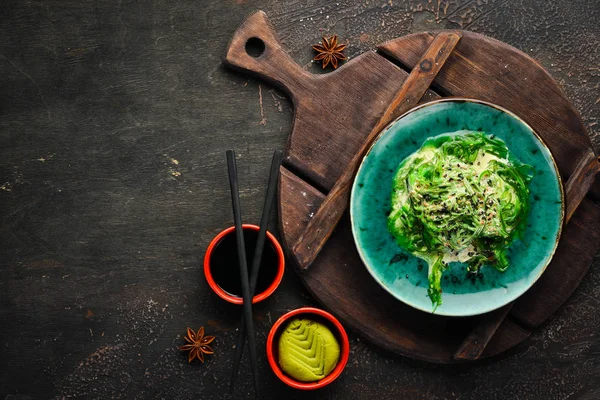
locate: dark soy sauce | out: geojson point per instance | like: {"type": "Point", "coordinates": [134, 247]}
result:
{"type": "Point", "coordinates": [224, 263]}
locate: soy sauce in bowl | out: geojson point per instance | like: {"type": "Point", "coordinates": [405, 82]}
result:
{"type": "Point", "coordinates": [221, 264]}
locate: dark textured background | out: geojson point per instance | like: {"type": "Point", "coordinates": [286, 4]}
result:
{"type": "Point", "coordinates": [114, 119]}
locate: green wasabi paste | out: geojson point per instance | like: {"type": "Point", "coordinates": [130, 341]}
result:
{"type": "Point", "coordinates": [308, 350]}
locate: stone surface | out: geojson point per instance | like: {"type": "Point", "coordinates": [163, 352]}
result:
{"type": "Point", "coordinates": [114, 121]}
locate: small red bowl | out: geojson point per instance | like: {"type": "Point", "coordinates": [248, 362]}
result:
{"type": "Point", "coordinates": [235, 299]}
{"type": "Point", "coordinates": [322, 316]}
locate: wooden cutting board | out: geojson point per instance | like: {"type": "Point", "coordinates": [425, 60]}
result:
{"type": "Point", "coordinates": [334, 113]}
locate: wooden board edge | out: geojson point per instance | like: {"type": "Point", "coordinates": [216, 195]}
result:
{"type": "Point", "coordinates": [387, 48]}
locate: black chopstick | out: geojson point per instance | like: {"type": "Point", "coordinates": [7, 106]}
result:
{"type": "Point", "coordinates": [241, 249]}
{"type": "Point", "coordinates": [258, 251]}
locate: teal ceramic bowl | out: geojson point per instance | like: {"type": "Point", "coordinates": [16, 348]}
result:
{"type": "Point", "coordinates": [404, 275]}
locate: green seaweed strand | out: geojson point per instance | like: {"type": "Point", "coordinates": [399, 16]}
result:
{"type": "Point", "coordinates": [458, 192]}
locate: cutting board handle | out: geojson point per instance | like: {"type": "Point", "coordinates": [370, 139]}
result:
{"type": "Point", "coordinates": [272, 63]}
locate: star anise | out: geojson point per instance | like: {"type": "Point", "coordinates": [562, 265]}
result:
{"type": "Point", "coordinates": [329, 51]}
{"type": "Point", "coordinates": [197, 344]}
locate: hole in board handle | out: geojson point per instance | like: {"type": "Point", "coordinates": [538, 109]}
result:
{"type": "Point", "coordinates": [255, 47]}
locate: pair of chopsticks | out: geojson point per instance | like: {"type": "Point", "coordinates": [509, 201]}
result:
{"type": "Point", "coordinates": [248, 286]}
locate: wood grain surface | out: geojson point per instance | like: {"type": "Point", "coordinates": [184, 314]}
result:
{"type": "Point", "coordinates": [484, 329]}
{"type": "Point", "coordinates": [575, 190]}
{"type": "Point", "coordinates": [321, 102]}
{"type": "Point", "coordinates": [581, 181]}
{"type": "Point", "coordinates": [472, 70]}
{"type": "Point", "coordinates": [114, 119]}
{"type": "Point", "coordinates": [506, 76]}
{"type": "Point", "coordinates": [322, 224]}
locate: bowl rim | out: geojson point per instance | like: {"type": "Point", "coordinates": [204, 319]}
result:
{"type": "Point", "coordinates": [257, 297]}
{"type": "Point", "coordinates": [344, 349]}
{"type": "Point", "coordinates": [459, 99]}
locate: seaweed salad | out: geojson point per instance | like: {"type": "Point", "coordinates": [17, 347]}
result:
{"type": "Point", "coordinates": [462, 197]}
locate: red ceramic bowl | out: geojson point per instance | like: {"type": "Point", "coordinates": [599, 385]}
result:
{"type": "Point", "coordinates": [322, 316]}
{"type": "Point", "coordinates": [235, 299]}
